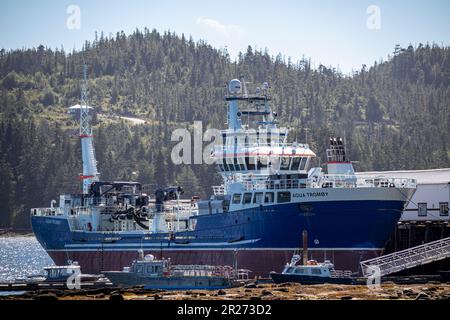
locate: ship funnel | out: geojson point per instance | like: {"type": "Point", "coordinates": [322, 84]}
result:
{"type": "Point", "coordinates": [338, 162]}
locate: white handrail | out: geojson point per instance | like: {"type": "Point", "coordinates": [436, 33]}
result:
{"type": "Point", "coordinates": [274, 144]}
{"type": "Point", "coordinates": [325, 181]}
{"type": "Point", "coordinates": [408, 258]}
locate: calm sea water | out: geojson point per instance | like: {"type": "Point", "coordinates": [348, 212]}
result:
{"type": "Point", "coordinates": [20, 257]}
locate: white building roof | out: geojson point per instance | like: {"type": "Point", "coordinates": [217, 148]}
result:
{"type": "Point", "coordinates": [77, 106]}
{"type": "Point", "coordinates": [432, 176]}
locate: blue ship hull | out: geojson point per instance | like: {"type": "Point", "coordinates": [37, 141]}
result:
{"type": "Point", "coordinates": [260, 239]}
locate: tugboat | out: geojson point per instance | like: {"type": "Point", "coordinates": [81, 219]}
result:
{"type": "Point", "coordinates": [312, 272]}
{"type": "Point", "coordinates": [152, 273]}
{"type": "Point", "coordinates": [268, 195]}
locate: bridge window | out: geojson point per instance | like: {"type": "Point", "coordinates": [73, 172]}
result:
{"type": "Point", "coordinates": [250, 162]}
{"type": "Point", "coordinates": [422, 209]}
{"type": "Point", "coordinates": [303, 163]}
{"type": "Point", "coordinates": [241, 163]}
{"type": "Point", "coordinates": [443, 208]}
{"type": "Point", "coordinates": [295, 163]}
{"type": "Point", "coordinates": [231, 166]}
{"type": "Point", "coordinates": [258, 198]}
{"type": "Point", "coordinates": [284, 196]}
{"type": "Point", "coordinates": [236, 165]}
{"type": "Point", "coordinates": [269, 197]}
{"type": "Point", "coordinates": [284, 164]}
{"type": "Point", "coordinates": [247, 198]}
{"type": "Point", "coordinates": [236, 198]}
{"type": "Point", "coordinates": [261, 164]}
{"type": "Point", "coordinates": [225, 165]}
{"type": "Point", "coordinates": [316, 271]}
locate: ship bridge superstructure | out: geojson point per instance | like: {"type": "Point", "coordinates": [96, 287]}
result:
{"type": "Point", "coordinates": [260, 168]}
{"type": "Point", "coordinates": [253, 145]}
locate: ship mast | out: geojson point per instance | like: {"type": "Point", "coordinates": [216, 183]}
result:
{"type": "Point", "coordinates": [90, 173]}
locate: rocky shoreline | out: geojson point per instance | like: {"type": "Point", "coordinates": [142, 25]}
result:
{"type": "Point", "coordinates": [252, 291]}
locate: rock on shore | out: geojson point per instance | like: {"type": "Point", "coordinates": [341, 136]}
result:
{"type": "Point", "coordinates": [286, 291]}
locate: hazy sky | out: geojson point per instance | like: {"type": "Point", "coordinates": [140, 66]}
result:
{"type": "Point", "coordinates": [340, 33]}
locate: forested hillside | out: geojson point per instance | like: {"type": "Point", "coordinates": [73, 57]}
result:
{"type": "Point", "coordinates": [395, 115]}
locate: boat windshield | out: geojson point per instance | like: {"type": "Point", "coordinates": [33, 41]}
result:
{"type": "Point", "coordinates": [289, 270]}
{"type": "Point", "coordinates": [300, 270]}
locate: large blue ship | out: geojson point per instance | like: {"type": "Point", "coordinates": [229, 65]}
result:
{"type": "Point", "coordinates": [254, 220]}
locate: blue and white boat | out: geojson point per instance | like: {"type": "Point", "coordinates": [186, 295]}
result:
{"type": "Point", "coordinates": [268, 196]}
{"type": "Point", "coordinates": [313, 272]}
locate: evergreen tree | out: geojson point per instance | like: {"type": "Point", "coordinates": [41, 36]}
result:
{"type": "Point", "coordinates": [387, 112]}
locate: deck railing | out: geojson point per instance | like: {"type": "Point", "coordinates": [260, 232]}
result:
{"type": "Point", "coordinates": [202, 270]}
{"type": "Point", "coordinates": [341, 274]}
{"type": "Point", "coordinates": [219, 190]}
{"type": "Point", "coordinates": [325, 181]}
{"type": "Point", "coordinates": [242, 146]}
{"type": "Point", "coordinates": [352, 181]}
{"type": "Point", "coordinates": [57, 211]}
{"type": "Point", "coordinates": [101, 206]}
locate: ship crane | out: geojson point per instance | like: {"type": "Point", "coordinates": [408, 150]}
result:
{"type": "Point", "coordinates": [90, 172]}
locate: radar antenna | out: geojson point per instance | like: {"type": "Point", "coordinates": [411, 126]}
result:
{"type": "Point", "coordinates": [244, 86]}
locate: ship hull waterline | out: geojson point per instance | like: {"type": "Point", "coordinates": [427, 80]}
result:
{"type": "Point", "coordinates": [261, 240]}
{"type": "Point", "coordinates": [279, 278]}
{"type": "Point", "coordinates": [260, 262]}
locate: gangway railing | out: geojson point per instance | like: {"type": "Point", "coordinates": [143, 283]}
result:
{"type": "Point", "coordinates": [408, 258]}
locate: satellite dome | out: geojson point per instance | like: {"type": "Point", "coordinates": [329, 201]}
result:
{"type": "Point", "coordinates": [149, 257]}
{"type": "Point", "coordinates": [234, 86]}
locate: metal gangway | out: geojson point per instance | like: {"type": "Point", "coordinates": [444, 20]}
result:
{"type": "Point", "coordinates": [408, 258]}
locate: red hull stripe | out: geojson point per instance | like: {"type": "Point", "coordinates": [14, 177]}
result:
{"type": "Point", "coordinates": [85, 177]}
{"type": "Point", "coordinates": [336, 162]}
{"type": "Point", "coordinates": [231, 155]}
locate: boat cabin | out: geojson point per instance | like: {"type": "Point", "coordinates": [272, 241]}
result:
{"type": "Point", "coordinates": [149, 267]}
{"type": "Point", "coordinates": [241, 153]}
{"type": "Point", "coordinates": [325, 269]}
{"type": "Point", "coordinates": [61, 273]}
